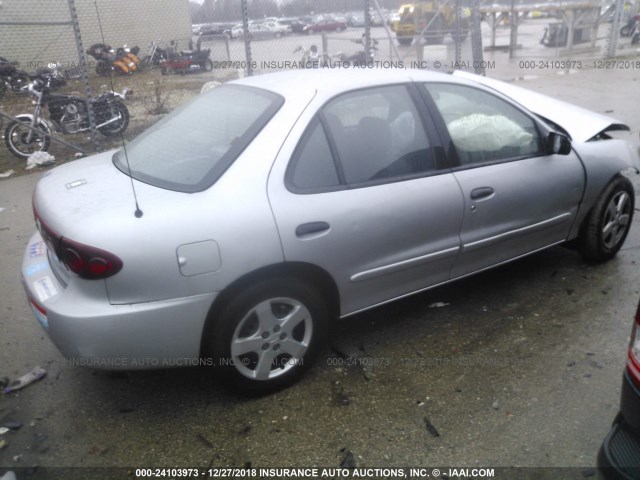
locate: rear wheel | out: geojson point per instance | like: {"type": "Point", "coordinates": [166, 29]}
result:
{"type": "Point", "coordinates": [607, 225]}
{"type": "Point", "coordinates": [117, 110]}
{"type": "Point", "coordinates": [267, 336]}
{"type": "Point", "coordinates": [102, 68]}
{"type": "Point", "coordinates": [16, 138]}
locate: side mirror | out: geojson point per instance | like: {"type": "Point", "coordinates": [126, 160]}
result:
{"type": "Point", "coordinates": [558, 144]}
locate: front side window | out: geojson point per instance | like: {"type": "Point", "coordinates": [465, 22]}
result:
{"type": "Point", "coordinates": [483, 127]}
{"type": "Point", "coordinates": [190, 149]}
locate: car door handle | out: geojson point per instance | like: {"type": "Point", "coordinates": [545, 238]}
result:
{"type": "Point", "coordinates": [311, 228]}
{"type": "Point", "coordinates": [482, 192]}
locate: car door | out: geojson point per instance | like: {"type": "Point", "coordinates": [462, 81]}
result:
{"type": "Point", "coordinates": [357, 192]}
{"type": "Point", "coordinates": [518, 198]}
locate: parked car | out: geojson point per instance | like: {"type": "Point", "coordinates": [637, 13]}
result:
{"type": "Point", "coordinates": [357, 20]}
{"type": "Point", "coordinates": [326, 24]}
{"type": "Point", "coordinates": [271, 205]}
{"type": "Point", "coordinates": [260, 30]}
{"type": "Point", "coordinates": [619, 456]}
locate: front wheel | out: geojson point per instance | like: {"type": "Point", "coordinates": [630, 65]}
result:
{"type": "Point", "coordinates": [268, 335]}
{"type": "Point", "coordinates": [19, 141]}
{"type": "Point", "coordinates": [118, 112]}
{"type": "Point", "coordinates": [626, 31]}
{"type": "Point", "coordinates": [607, 225]}
{"type": "Point", "coordinates": [207, 65]}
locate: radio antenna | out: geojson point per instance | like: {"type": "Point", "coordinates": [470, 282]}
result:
{"type": "Point", "coordinates": [138, 212]}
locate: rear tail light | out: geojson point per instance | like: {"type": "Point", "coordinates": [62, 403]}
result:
{"type": "Point", "coordinates": [88, 262]}
{"type": "Point", "coordinates": [633, 361]}
{"type": "Point", "coordinates": [83, 260]}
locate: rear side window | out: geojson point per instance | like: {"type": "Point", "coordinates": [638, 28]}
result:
{"type": "Point", "coordinates": [191, 148]}
{"type": "Point", "coordinates": [360, 138]}
{"type": "Point", "coordinates": [315, 167]}
{"type": "Point", "coordinates": [483, 127]}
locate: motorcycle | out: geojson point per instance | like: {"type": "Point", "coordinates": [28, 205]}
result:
{"type": "Point", "coordinates": [187, 61]}
{"type": "Point", "coordinates": [155, 56]}
{"type": "Point", "coordinates": [310, 56]}
{"type": "Point", "coordinates": [360, 58]}
{"type": "Point", "coordinates": [123, 60]}
{"type": "Point", "coordinates": [30, 133]}
{"type": "Point", "coordinates": [631, 27]}
{"type": "Point", "coordinates": [16, 80]}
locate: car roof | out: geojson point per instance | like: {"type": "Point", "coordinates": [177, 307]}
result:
{"type": "Point", "coordinates": [332, 81]}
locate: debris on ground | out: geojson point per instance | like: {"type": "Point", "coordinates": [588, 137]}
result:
{"type": "Point", "coordinates": [367, 371]}
{"type": "Point", "coordinates": [7, 174]}
{"type": "Point", "coordinates": [11, 424]}
{"type": "Point", "coordinates": [430, 428]}
{"type": "Point", "coordinates": [42, 159]}
{"type": "Point", "coordinates": [34, 375]}
{"type": "Point", "coordinates": [204, 440]}
{"type": "Point", "coordinates": [346, 350]}
{"type": "Point", "coordinates": [3, 443]}
{"type": "Point", "coordinates": [340, 398]}
{"type": "Point", "coordinates": [495, 405]}
{"type": "Point", "coordinates": [348, 461]}
{"type": "Point", "coordinates": [438, 305]}
{"type": "Point", "coordinates": [3, 430]}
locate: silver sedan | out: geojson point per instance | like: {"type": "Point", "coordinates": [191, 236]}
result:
{"type": "Point", "coordinates": [233, 231]}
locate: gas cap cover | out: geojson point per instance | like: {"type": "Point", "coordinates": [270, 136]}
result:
{"type": "Point", "coordinates": [198, 258]}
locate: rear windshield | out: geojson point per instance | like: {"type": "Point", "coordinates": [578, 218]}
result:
{"type": "Point", "coordinates": [191, 148]}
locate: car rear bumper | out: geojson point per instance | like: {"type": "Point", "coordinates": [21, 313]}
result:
{"type": "Point", "coordinates": [619, 456]}
{"type": "Point", "coordinates": [90, 331]}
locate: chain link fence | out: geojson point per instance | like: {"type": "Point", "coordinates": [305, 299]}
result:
{"type": "Point", "coordinates": [166, 50]}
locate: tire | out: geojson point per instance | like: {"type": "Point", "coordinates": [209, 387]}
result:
{"type": "Point", "coordinates": [20, 84]}
{"type": "Point", "coordinates": [207, 65]}
{"type": "Point", "coordinates": [607, 224]}
{"type": "Point", "coordinates": [163, 70]}
{"type": "Point", "coordinates": [116, 128]}
{"type": "Point", "coordinates": [146, 63]}
{"type": "Point", "coordinates": [15, 138]}
{"type": "Point", "coordinates": [625, 31]}
{"type": "Point", "coordinates": [102, 68]}
{"type": "Point", "coordinates": [293, 322]}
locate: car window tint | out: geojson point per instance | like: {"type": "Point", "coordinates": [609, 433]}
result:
{"type": "Point", "coordinates": [313, 165]}
{"type": "Point", "coordinates": [189, 149]}
{"type": "Point", "coordinates": [483, 127]}
{"type": "Point", "coordinates": [378, 135]}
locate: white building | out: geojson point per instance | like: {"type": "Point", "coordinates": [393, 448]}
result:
{"type": "Point", "coordinates": [37, 32]}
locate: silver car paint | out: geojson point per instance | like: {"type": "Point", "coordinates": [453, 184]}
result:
{"type": "Point", "coordinates": [152, 308]}
{"type": "Point", "coordinates": [494, 228]}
